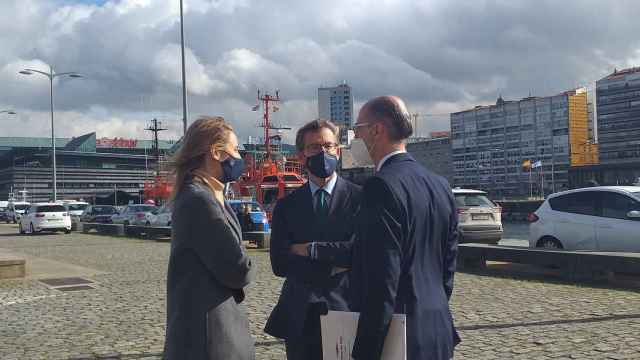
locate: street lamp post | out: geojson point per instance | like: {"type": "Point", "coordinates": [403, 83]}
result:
{"type": "Point", "coordinates": [184, 78]}
{"type": "Point", "coordinates": [51, 75]}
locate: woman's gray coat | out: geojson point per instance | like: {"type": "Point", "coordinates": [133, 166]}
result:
{"type": "Point", "coordinates": [208, 268]}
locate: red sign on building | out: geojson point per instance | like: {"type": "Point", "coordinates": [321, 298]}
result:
{"type": "Point", "coordinates": [440, 134]}
{"type": "Point", "coordinates": [116, 143]}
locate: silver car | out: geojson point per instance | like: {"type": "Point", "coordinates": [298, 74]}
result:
{"type": "Point", "coordinates": [479, 219]}
{"type": "Point", "coordinates": [162, 216]}
{"type": "Point", "coordinates": [139, 214]}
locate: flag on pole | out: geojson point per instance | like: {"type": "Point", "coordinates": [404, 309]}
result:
{"type": "Point", "coordinates": [537, 164]}
{"type": "Point", "coordinates": [255, 108]}
{"type": "Point", "coordinates": [526, 164]}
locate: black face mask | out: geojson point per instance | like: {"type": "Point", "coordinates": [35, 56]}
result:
{"type": "Point", "coordinates": [322, 164]}
{"type": "Point", "coordinates": [232, 169]}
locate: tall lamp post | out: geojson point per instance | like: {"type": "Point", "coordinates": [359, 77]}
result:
{"type": "Point", "coordinates": [51, 75]}
{"type": "Point", "coordinates": [184, 78]}
{"type": "Point", "coordinates": [10, 112]}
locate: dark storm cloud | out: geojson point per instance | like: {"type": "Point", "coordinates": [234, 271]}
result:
{"type": "Point", "coordinates": [440, 56]}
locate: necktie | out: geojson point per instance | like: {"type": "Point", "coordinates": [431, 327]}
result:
{"type": "Point", "coordinates": [322, 208]}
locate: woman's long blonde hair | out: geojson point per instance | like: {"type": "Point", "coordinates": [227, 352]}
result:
{"type": "Point", "coordinates": [204, 134]}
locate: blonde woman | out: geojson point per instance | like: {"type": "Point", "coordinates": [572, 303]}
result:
{"type": "Point", "coordinates": [208, 267]}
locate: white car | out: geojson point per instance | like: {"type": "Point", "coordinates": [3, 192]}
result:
{"type": "Point", "coordinates": [161, 217]}
{"type": "Point", "coordinates": [601, 218]}
{"type": "Point", "coordinates": [140, 214]}
{"type": "Point", "coordinates": [45, 217]}
{"type": "Point", "coordinates": [479, 219]}
{"type": "Point", "coordinates": [15, 210]}
{"type": "Point", "coordinates": [75, 209]}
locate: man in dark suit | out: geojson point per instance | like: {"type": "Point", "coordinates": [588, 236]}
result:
{"type": "Point", "coordinates": [311, 240]}
{"type": "Point", "coordinates": [404, 256]}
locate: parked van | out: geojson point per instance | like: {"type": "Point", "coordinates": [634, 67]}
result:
{"type": "Point", "coordinates": [3, 210]}
{"type": "Point", "coordinates": [15, 210]}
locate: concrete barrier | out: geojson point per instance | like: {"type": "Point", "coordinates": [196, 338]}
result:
{"type": "Point", "coordinates": [148, 231]}
{"type": "Point", "coordinates": [261, 238]}
{"type": "Point", "coordinates": [573, 265]}
{"type": "Point", "coordinates": [161, 233]}
{"type": "Point", "coordinates": [12, 267]}
{"type": "Point", "coordinates": [110, 229]}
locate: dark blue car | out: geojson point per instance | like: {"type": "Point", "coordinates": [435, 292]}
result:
{"type": "Point", "coordinates": [251, 215]}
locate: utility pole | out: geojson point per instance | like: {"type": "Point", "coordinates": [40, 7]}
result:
{"type": "Point", "coordinates": [415, 124]}
{"type": "Point", "coordinates": [155, 127]}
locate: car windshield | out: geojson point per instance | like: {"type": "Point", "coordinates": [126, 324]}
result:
{"type": "Point", "coordinates": [50, 208]}
{"type": "Point", "coordinates": [255, 207]}
{"type": "Point", "coordinates": [475, 200]}
{"type": "Point", "coordinates": [21, 207]}
{"type": "Point", "coordinates": [104, 210]}
{"type": "Point", "coordinates": [142, 208]}
{"type": "Point", "coordinates": [76, 207]}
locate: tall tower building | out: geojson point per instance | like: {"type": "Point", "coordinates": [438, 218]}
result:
{"type": "Point", "coordinates": [336, 104]}
{"type": "Point", "coordinates": [618, 113]}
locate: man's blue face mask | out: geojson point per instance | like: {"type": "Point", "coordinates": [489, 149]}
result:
{"type": "Point", "coordinates": [322, 164]}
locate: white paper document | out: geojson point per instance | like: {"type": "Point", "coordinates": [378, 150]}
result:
{"type": "Point", "coordinates": [339, 333]}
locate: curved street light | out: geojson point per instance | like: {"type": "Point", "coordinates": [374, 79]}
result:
{"type": "Point", "coordinates": [52, 75]}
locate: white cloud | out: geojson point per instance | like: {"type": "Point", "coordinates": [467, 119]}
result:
{"type": "Point", "coordinates": [167, 67]}
{"type": "Point", "coordinates": [438, 55]}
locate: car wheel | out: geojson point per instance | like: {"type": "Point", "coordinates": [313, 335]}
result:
{"type": "Point", "coordinates": [20, 229]}
{"type": "Point", "coordinates": [32, 231]}
{"type": "Point", "coordinates": [15, 221]}
{"type": "Point", "coordinates": [67, 231]}
{"type": "Point", "coordinates": [169, 223]}
{"type": "Point", "coordinates": [549, 242]}
{"type": "Point", "coordinates": [147, 224]}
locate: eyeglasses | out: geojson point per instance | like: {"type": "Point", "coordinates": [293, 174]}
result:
{"type": "Point", "coordinates": [359, 125]}
{"type": "Point", "coordinates": [316, 148]}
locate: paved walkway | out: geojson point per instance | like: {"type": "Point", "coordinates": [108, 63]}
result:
{"type": "Point", "coordinates": [123, 314]}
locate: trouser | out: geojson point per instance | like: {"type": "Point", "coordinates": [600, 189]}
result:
{"type": "Point", "coordinates": [307, 346]}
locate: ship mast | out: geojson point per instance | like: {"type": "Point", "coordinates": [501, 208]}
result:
{"type": "Point", "coordinates": [266, 100]}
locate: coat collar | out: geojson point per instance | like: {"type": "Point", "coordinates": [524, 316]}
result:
{"type": "Point", "coordinates": [399, 157]}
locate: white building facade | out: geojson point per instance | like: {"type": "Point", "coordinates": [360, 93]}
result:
{"type": "Point", "coordinates": [336, 104]}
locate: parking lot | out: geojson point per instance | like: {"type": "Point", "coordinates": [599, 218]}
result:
{"type": "Point", "coordinates": [121, 312]}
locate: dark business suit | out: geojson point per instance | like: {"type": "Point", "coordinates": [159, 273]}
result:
{"type": "Point", "coordinates": [208, 268]}
{"type": "Point", "coordinates": [404, 260]}
{"type": "Point", "coordinates": [309, 288]}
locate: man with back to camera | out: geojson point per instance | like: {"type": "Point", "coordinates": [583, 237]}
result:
{"type": "Point", "coordinates": [311, 240]}
{"type": "Point", "coordinates": [404, 256]}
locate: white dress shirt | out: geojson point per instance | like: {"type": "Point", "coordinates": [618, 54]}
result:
{"type": "Point", "coordinates": [328, 187]}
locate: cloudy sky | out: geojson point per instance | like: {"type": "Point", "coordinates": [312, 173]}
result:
{"type": "Point", "coordinates": [439, 55]}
